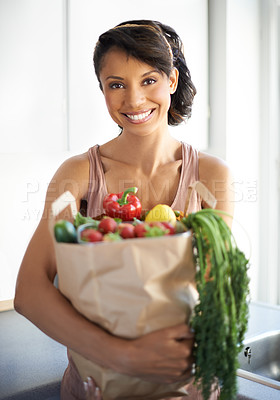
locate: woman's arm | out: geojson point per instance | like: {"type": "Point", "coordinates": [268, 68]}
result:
{"type": "Point", "coordinates": [163, 356]}
{"type": "Point", "coordinates": [36, 297]}
{"type": "Point", "coordinates": [215, 174]}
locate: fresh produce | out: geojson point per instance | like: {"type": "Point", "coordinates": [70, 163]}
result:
{"type": "Point", "coordinates": [179, 214]}
{"type": "Point", "coordinates": [124, 205]}
{"type": "Point", "coordinates": [170, 227]}
{"type": "Point", "coordinates": [65, 232]}
{"type": "Point", "coordinates": [107, 225]}
{"type": "Point", "coordinates": [126, 231]}
{"type": "Point", "coordinates": [91, 235]}
{"type": "Point", "coordinates": [112, 237]}
{"type": "Point", "coordinates": [155, 229]}
{"type": "Point", "coordinates": [81, 220]}
{"type": "Point", "coordinates": [110, 229]}
{"type": "Point", "coordinates": [220, 317]}
{"type": "Point", "coordinates": [161, 213]}
{"type": "Point", "coordinates": [140, 230]}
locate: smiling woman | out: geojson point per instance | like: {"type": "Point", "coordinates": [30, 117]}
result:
{"type": "Point", "coordinates": [161, 49]}
{"type": "Point", "coordinates": [138, 94]}
{"type": "Point", "coordinates": [147, 87]}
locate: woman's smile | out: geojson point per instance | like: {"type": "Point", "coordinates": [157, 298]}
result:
{"type": "Point", "coordinates": [139, 117]}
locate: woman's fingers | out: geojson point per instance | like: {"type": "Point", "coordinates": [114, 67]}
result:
{"type": "Point", "coordinates": [92, 391]}
{"type": "Point", "coordinates": [180, 332]}
{"type": "Point", "coordinates": [164, 355]}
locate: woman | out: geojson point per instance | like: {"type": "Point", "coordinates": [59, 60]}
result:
{"type": "Point", "coordinates": [147, 86]}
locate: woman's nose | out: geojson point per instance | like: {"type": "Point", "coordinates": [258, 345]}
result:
{"type": "Point", "coordinates": [134, 97]}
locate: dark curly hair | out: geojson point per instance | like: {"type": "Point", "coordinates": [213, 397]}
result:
{"type": "Point", "coordinates": [159, 46]}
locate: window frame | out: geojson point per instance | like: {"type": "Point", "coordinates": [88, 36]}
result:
{"type": "Point", "coordinates": [269, 253]}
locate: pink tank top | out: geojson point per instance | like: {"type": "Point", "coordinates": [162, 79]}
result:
{"type": "Point", "coordinates": [189, 174]}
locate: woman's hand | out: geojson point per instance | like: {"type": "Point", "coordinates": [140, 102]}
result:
{"type": "Point", "coordinates": [163, 356]}
{"type": "Point", "coordinates": [92, 391]}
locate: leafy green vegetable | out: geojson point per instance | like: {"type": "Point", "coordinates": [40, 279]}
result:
{"type": "Point", "coordinates": [112, 237]}
{"type": "Point", "coordinates": [81, 220]}
{"type": "Point", "coordinates": [154, 231]}
{"type": "Point", "coordinates": [118, 220]}
{"type": "Point", "coordinates": [221, 316]}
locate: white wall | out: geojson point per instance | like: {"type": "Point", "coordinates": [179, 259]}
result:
{"type": "Point", "coordinates": [31, 76]}
{"type": "Point", "coordinates": [50, 103]}
{"type": "Point", "coordinates": [24, 178]}
{"type": "Point", "coordinates": [33, 136]}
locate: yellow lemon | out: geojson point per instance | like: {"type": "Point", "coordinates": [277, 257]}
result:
{"type": "Point", "coordinates": [161, 213]}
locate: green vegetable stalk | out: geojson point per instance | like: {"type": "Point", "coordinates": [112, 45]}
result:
{"type": "Point", "coordinates": [220, 318]}
{"type": "Point", "coordinates": [81, 220]}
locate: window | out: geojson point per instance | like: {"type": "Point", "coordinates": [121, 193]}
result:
{"type": "Point", "coordinates": [244, 127]}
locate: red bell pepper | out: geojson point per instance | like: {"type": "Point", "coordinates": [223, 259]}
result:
{"type": "Point", "coordinates": [123, 205]}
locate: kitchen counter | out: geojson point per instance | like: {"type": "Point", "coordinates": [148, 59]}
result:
{"type": "Point", "coordinates": [28, 356]}
{"type": "Point", "coordinates": [31, 363]}
{"type": "Point", "coordinates": [263, 318]}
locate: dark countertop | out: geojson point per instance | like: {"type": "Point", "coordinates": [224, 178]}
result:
{"type": "Point", "coordinates": [28, 357]}
{"type": "Point", "coordinates": [20, 370]}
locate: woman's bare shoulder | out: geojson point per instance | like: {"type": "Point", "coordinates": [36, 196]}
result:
{"type": "Point", "coordinates": [72, 175]}
{"type": "Point", "coordinates": [79, 161]}
{"type": "Point", "coordinates": [217, 176]}
{"type": "Point", "coordinates": [212, 167]}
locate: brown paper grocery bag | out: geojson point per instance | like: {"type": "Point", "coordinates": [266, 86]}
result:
{"type": "Point", "coordinates": [130, 288]}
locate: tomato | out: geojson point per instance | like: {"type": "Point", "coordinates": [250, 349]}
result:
{"type": "Point", "coordinates": [65, 232]}
{"type": "Point", "coordinates": [170, 227]}
{"type": "Point", "coordinates": [91, 235]}
{"type": "Point", "coordinates": [140, 230]}
{"type": "Point", "coordinates": [126, 230]}
{"type": "Point", "coordinates": [107, 225]}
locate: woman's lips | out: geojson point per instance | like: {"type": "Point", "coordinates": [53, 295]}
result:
{"type": "Point", "coordinates": [139, 117]}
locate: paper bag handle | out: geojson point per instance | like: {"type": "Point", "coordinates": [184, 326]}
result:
{"type": "Point", "coordinates": [204, 193]}
{"type": "Point", "coordinates": [63, 201]}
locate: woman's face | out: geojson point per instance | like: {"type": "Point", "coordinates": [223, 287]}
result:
{"type": "Point", "coordinates": [137, 95]}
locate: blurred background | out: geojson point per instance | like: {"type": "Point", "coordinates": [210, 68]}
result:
{"type": "Point", "coordinates": [51, 108]}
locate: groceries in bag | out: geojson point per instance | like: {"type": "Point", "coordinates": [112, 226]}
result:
{"type": "Point", "coordinates": [198, 277]}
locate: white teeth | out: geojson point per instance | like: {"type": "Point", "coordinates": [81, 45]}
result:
{"type": "Point", "coordinates": [137, 117]}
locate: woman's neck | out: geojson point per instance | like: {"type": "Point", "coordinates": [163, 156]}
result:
{"type": "Point", "coordinates": [146, 152]}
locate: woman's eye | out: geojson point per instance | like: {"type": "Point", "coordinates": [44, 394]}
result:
{"type": "Point", "coordinates": [116, 86]}
{"type": "Point", "coordinates": [149, 81]}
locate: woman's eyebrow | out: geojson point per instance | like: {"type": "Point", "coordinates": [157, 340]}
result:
{"type": "Point", "coordinates": [150, 72]}
{"type": "Point", "coordinates": [120, 78]}
{"type": "Point", "coordinates": [114, 77]}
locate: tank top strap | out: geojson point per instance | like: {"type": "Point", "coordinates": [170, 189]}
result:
{"type": "Point", "coordinates": [97, 185]}
{"type": "Point", "coordinates": [189, 175]}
